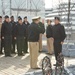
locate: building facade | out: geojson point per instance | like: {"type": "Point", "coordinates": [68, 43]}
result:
{"type": "Point", "coordinates": [62, 12]}
{"type": "Point", "coordinates": [22, 8]}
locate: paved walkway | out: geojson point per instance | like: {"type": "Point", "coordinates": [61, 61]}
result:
{"type": "Point", "coordinates": [20, 65]}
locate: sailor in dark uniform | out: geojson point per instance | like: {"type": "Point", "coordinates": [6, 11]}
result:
{"type": "Point", "coordinates": [20, 35]}
{"type": "Point", "coordinates": [26, 23]}
{"type": "Point", "coordinates": [7, 36]}
{"type": "Point", "coordinates": [59, 36]}
{"type": "Point", "coordinates": [41, 25]}
{"type": "Point", "coordinates": [18, 20]}
{"type": "Point", "coordinates": [13, 23]}
{"type": "Point", "coordinates": [49, 35]}
{"type": "Point", "coordinates": [0, 34]}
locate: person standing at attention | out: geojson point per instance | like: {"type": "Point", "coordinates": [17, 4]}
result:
{"type": "Point", "coordinates": [41, 25]}
{"type": "Point", "coordinates": [20, 35]}
{"type": "Point", "coordinates": [0, 34]}
{"type": "Point", "coordinates": [26, 23]}
{"type": "Point", "coordinates": [49, 35]}
{"type": "Point", "coordinates": [6, 31]}
{"type": "Point", "coordinates": [59, 36]}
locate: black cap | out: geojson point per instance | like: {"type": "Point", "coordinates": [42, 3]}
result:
{"type": "Point", "coordinates": [25, 17]}
{"type": "Point", "coordinates": [49, 20]}
{"type": "Point", "coordinates": [6, 16]}
{"type": "Point", "coordinates": [0, 16]}
{"type": "Point", "coordinates": [19, 19]}
{"type": "Point", "coordinates": [57, 18]}
{"type": "Point", "coordinates": [12, 17]}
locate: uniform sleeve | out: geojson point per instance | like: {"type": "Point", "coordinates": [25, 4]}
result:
{"type": "Point", "coordinates": [41, 25]}
{"type": "Point", "coordinates": [63, 34]}
{"type": "Point", "coordinates": [26, 32]}
{"type": "Point", "coordinates": [15, 31]}
{"type": "Point", "coordinates": [39, 29]}
{"type": "Point", "coordinates": [13, 28]}
{"type": "Point", "coordinates": [43, 29]}
{"type": "Point", "coordinates": [28, 23]}
{"type": "Point", "coordinates": [2, 30]}
{"type": "Point", "coordinates": [49, 32]}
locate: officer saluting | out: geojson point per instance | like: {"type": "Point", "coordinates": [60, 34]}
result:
{"type": "Point", "coordinates": [59, 36]}
{"type": "Point", "coordinates": [7, 36]}
{"type": "Point", "coordinates": [33, 38]}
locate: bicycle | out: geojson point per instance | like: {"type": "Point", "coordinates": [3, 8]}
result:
{"type": "Point", "coordinates": [46, 66]}
{"type": "Point", "coordinates": [59, 66]}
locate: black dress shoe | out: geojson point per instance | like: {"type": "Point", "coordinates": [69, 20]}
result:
{"type": "Point", "coordinates": [49, 54]}
{"type": "Point", "coordinates": [26, 52]}
{"type": "Point", "coordinates": [40, 51]}
{"type": "Point", "coordinates": [8, 56]}
{"type": "Point", "coordinates": [20, 54]}
{"type": "Point", "coordinates": [37, 68]}
{"type": "Point", "coordinates": [13, 52]}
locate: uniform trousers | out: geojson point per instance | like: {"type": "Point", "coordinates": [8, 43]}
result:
{"type": "Point", "coordinates": [40, 42]}
{"type": "Point", "coordinates": [57, 48]}
{"type": "Point", "coordinates": [13, 45]}
{"type": "Point", "coordinates": [50, 45]}
{"type": "Point", "coordinates": [25, 50]}
{"type": "Point", "coordinates": [7, 45]}
{"type": "Point", "coordinates": [20, 45]}
{"type": "Point", "coordinates": [34, 47]}
{"type": "Point", "coordinates": [0, 45]}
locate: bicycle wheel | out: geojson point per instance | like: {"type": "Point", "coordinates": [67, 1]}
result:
{"type": "Point", "coordinates": [55, 70]}
{"type": "Point", "coordinates": [62, 66]}
{"type": "Point", "coordinates": [58, 71]}
{"type": "Point", "coordinates": [46, 66]}
{"type": "Point", "coordinates": [62, 70]}
{"type": "Point", "coordinates": [59, 68]}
